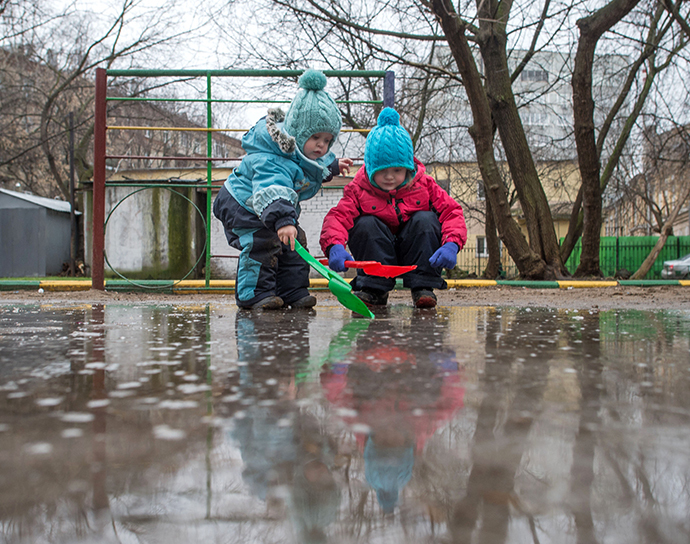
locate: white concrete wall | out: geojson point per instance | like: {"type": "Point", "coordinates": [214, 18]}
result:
{"type": "Point", "coordinates": [136, 233]}
{"type": "Point", "coordinates": [131, 235]}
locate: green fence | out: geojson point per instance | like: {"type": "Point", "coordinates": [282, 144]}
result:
{"type": "Point", "coordinates": [628, 252]}
{"type": "Point", "coordinates": [614, 254]}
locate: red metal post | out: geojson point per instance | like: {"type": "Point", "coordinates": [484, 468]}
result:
{"type": "Point", "coordinates": [98, 233]}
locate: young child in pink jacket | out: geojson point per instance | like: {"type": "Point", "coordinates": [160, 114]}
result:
{"type": "Point", "coordinates": [394, 213]}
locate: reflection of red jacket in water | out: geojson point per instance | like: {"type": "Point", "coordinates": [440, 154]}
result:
{"type": "Point", "coordinates": [387, 386]}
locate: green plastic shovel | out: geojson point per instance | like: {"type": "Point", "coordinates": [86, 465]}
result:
{"type": "Point", "coordinates": [336, 285]}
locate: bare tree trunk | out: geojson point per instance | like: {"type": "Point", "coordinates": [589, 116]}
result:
{"type": "Point", "coordinates": [493, 266]}
{"type": "Point", "coordinates": [591, 29]}
{"type": "Point", "coordinates": [666, 230]}
{"type": "Point", "coordinates": [535, 206]}
{"type": "Point", "coordinates": [574, 228]}
{"type": "Point", "coordinates": [529, 263]}
{"type": "Point", "coordinates": [81, 155]}
{"type": "Point", "coordinates": [576, 223]}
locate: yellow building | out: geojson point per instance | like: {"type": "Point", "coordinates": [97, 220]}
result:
{"type": "Point", "coordinates": [463, 181]}
{"type": "Point", "coordinates": [644, 204]}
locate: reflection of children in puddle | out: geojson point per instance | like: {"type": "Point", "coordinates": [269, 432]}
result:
{"type": "Point", "coordinates": [398, 397]}
{"type": "Point", "coordinates": [263, 390]}
{"type": "Point", "coordinates": [288, 459]}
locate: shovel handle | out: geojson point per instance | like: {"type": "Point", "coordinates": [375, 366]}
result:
{"type": "Point", "coordinates": [360, 264]}
{"type": "Point", "coordinates": [353, 264]}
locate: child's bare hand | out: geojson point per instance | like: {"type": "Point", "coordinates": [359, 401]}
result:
{"type": "Point", "coordinates": [287, 235]}
{"type": "Point", "coordinates": [344, 166]}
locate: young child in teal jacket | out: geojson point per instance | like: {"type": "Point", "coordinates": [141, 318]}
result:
{"type": "Point", "coordinates": [288, 158]}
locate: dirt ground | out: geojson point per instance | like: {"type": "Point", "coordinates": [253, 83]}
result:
{"type": "Point", "coordinates": [656, 297]}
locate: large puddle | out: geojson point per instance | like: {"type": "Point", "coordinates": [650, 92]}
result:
{"type": "Point", "coordinates": [184, 424]}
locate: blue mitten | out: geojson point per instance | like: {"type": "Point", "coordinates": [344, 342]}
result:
{"type": "Point", "coordinates": [446, 256]}
{"type": "Point", "coordinates": [337, 257]}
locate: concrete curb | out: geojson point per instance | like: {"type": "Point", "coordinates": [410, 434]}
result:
{"type": "Point", "coordinates": [228, 286]}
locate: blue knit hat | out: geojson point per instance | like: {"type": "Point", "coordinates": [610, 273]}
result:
{"type": "Point", "coordinates": [387, 470]}
{"type": "Point", "coordinates": [388, 145]}
{"type": "Point", "coordinates": [312, 110]}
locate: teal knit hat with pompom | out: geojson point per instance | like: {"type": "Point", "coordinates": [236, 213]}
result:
{"type": "Point", "coordinates": [388, 145]}
{"type": "Point", "coordinates": [312, 110]}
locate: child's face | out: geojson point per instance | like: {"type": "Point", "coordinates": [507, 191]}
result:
{"type": "Point", "coordinates": [317, 145]}
{"type": "Point", "coordinates": [390, 178]}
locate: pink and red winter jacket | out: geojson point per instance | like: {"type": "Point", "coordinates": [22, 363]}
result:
{"type": "Point", "coordinates": [394, 208]}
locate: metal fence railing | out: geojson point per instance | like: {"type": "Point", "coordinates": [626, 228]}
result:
{"type": "Point", "coordinates": [205, 78]}
{"type": "Point", "coordinates": [472, 263]}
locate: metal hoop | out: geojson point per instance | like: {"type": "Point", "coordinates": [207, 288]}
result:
{"type": "Point", "coordinates": [173, 283]}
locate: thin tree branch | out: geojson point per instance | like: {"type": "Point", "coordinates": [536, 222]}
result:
{"type": "Point", "coordinates": [330, 17]}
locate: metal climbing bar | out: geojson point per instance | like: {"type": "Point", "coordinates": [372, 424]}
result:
{"type": "Point", "coordinates": [226, 100]}
{"type": "Point", "coordinates": [100, 140]}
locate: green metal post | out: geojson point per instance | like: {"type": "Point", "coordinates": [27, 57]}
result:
{"type": "Point", "coordinates": [209, 179]}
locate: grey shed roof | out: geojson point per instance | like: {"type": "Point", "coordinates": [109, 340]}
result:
{"type": "Point", "coordinates": [57, 205]}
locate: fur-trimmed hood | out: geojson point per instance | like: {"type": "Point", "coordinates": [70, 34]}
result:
{"type": "Point", "coordinates": [275, 169]}
{"type": "Point", "coordinates": [274, 120]}
{"type": "Point", "coordinates": [272, 139]}
{"type": "Point", "coordinates": [269, 136]}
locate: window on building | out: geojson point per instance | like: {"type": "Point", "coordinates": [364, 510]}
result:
{"type": "Point", "coordinates": [481, 192]}
{"type": "Point", "coordinates": [444, 184]}
{"type": "Point", "coordinates": [482, 250]}
{"type": "Point", "coordinates": [534, 75]}
{"type": "Point", "coordinates": [535, 118]}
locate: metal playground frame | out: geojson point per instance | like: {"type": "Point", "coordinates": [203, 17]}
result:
{"type": "Point", "coordinates": [98, 258]}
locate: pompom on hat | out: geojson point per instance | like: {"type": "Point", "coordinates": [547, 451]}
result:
{"type": "Point", "coordinates": [388, 145]}
{"type": "Point", "coordinates": [312, 110]}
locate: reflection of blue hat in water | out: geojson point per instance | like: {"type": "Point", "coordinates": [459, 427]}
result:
{"type": "Point", "coordinates": [387, 470]}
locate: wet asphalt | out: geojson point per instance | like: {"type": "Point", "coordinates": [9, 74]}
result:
{"type": "Point", "coordinates": [178, 422]}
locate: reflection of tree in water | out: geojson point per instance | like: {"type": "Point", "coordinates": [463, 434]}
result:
{"type": "Point", "coordinates": [589, 372]}
{"type": "Point", "coordinates": [604, 472]}
{"type": "Point", "coordinates": [399, 392]}
{"type": "Point", "coordinates": [639, 430]}
{"type": "Point", "coordinates": [288, 457]}
{"type": "Point", "coordinates": [512, 395]}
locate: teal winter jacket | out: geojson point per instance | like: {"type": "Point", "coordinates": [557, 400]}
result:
{"type": "Point", "coordinates": [274, 176]}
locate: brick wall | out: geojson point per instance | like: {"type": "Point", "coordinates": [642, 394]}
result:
{"type": "Point", "coordinates": [313, 212]}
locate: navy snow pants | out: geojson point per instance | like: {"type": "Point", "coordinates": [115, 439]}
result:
{"type": "Point", "coordinates": [266, 266]}
{"type": "Point", "coordinates": [370, 239]}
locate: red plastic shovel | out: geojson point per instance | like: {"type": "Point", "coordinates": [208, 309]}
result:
{"type": "Point", "coordinates": [375, 268]}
